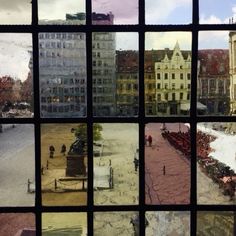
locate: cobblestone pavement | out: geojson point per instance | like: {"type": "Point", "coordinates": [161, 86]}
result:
{"type": "Point", "coordinates": [17, 164]}
{"type": "Point", "coordinates": [168, 223]}
{"type": "Point", "coordinates": [174, 186]}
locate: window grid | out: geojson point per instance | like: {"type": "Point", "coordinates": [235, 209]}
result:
{"type": "Point", "coordinates": [193, 119]}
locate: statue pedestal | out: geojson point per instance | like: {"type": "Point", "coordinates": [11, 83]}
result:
{"type": "Point", "coordinates": [75, 165]}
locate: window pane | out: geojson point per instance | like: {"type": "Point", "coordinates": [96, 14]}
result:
{"type": "Point", "coordinates": [213, 73]}
{"type": "Point", "coordinates": [17, 160]}
{"type": "Point", "coordinates": [167, 153]}
{"type": "Point", "coordinates": [62, 74]}
{"type": "Point", "coordinates": [15, 12]}
{"type": "Point", "coordinates": [168, 12]}
{"type": "Point", "coordinates": [115, 74]}
{"type": "Point", "coordinates": [113, 12]}
{"type": "Point", "coordinates": [64, 164]}
{"type": "Point", "coordinates": [177, 222]}
{"type": "Point", "coordinates": [65, 12]}
{"type": "Point", "coordinates": [116, 169]}
{"type": "Point", "coordinates": [16, 75]}
{"type": "Point", "coordinates": [216, 12]}
{"type": "Point", "coordinates": [167, 73]}
{"type": "Point", "coordinates": [215, 162]}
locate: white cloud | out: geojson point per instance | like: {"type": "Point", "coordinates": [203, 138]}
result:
{"type": "Point", "coordinates": [158, 11]}
{"type": "Point", "coordinates": [161, 40]}
{"type": "Point", "coordinates": [53, 10]}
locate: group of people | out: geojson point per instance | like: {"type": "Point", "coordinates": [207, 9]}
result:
{"type": "Point", "coordinates": [52, 150]}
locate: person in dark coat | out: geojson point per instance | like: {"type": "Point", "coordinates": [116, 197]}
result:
{"type": "Point", "coordinates": [51, 151]}
{"type": "Point", "coordinates": [63, 149]}
{"type": "Point", "coordinates": [150, 140]}
{"type": "Point", "coordinates": [136, 163]}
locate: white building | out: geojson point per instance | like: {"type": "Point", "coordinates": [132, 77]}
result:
{"type": "Point", "coordinates": [173, 81]}
{"type": "Point", "coordinates": [62, 74]}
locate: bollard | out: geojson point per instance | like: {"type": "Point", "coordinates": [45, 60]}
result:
{"type": "Point", "coordinates": [42, 170]}
{"type": "Point", "coordinates": [55, 184]}
{"type": "Point", "coordinates": [110, 162]}
{"type": "Point", "coordinates": [28, 190]}
{"type": "Point", "coordinates": [47, 164]}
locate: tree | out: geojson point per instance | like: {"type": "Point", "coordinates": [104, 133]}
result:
{"type": "Point", "coordinates": [81, 132]}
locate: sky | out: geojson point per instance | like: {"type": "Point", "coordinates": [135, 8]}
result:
{"type": "Point", "coordinates": [125, 11]}
{"type": "Point", "coordinates": [15, 12]}
{"type": "Point", "coordinates": [57, 9]}
{"type": "Point", "coordinates": [14, 56]}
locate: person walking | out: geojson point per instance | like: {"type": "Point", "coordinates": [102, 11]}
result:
{"type": "Point", "coordinates": [63, 149]}
{"type": "Point", "coordinates": [136, 164]}
{"type": "Point", "coordinates": [150, 140]}
{"type": "Point", "coordinates": [164, 170]}
{"type": "Point", "coordinates": [51, 151]}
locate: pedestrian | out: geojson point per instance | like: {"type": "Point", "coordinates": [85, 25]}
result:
{"type": "Point", "coordinates": [150, 140]}
{"type": "Point", "coordinates": [63, 149]}
{"type": "Point", "coordinates": [136, 164]}
{"type": "Point", "coordinates": [51, 151]}
{"type": "Point", "coordinates": [164, 170]}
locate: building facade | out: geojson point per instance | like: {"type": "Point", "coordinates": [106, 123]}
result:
{"type": "Point", "coordinates": [103, 68]}
{"type": "Point", "coordinates": [127, 83]}
{"type": "Point", "coordinates": [62, 74]}
{"type": "Point", "coordinates": [232, 71]}
{"type": "Point", "coordinates": [173, 81]}
{"type": "Point", "coordinates": [214, 81]}
{"type": "Point", "coordinates": [150, 82]}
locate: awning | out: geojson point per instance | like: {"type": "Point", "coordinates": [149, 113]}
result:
{"type": "Point", "coordinates": [186, 106]}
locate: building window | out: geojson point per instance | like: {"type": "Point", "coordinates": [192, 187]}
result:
{"type": "Point", "coordinates": [166, 75]}
{"type": "Point", "coordinates": [181, 96]}
{"type": "Point", "coordinates": [158, 86]}
{"type": "Point", "coordinates": [188, 76]}
{"type": "Point", "coordinates": [158, 76]}
{"type": "Point", "coordinates": [173, 75]}
{"type": "Point", "coordinates": [173, 86]}
{"type": "Point", "coordinates": [181, 76]}
{"type": "Point", "coordinates": [173, 96]}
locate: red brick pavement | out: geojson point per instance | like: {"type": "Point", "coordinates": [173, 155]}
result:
{"type": "Point", "coordinates": [174, 186]}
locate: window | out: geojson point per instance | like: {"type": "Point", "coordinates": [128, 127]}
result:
{"type": "Point", "coordinates": [70, 96]}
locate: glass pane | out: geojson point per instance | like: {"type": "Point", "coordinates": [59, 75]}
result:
{"type": "Point", "coordinates": [168, 223]}
{"type": "Point", "coordinates": [64, 164]}
{"type": "Point", "coordinates": [17, 224]}
{"type": "Point", "coordinates": [167, 73]}
{"type": "Point", "coordinates": [15, 12]}
{"type": "Point", "coordinates": [116, 223]}
{"type": "Point", "coordinates": [73, 224]}
{"type": "Point", "coordinates": [214, 222]}
{"type": "Point", "coordinates": [214, 86]}
{"type": "Point", "coordinates": [16, 75]}
{"type": "Point", "coordinates": [217, 12]}
{"type": "Point", "coordinates": [61, 12]}
{"type": "Point", "coordinates": [168, 12]}
{"type": "Point", "coordinates": [167, 157]}
{"type": "Point", "coordinates": [216, 163]}
{"type": "Point", "coordinates": [62, 75]}
{"type": "Point", "coordinates": [116, 179]}
{"type": "Point", "coordinates": [115, 74]}
{"type": "Point", "coordinates": [113, 12]}
{"type": "Point", "coordinates": [17, 160]}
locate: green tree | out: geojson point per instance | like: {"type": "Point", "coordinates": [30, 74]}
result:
{"type": "Point", "coordinates": [81, 132]}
